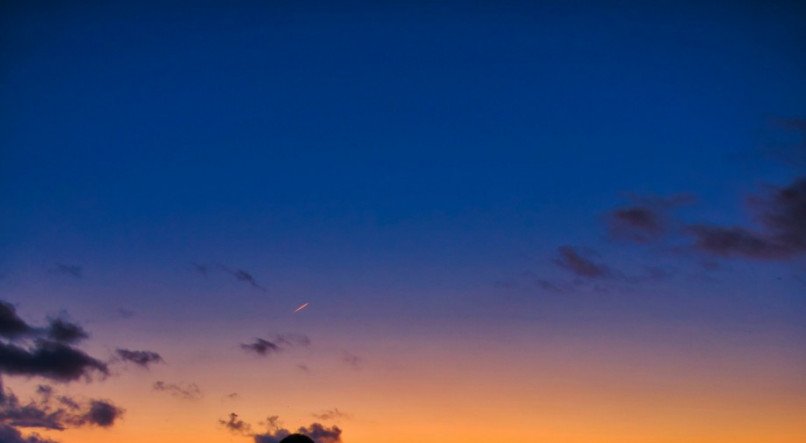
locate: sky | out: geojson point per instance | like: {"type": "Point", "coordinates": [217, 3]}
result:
{"type": "Point", "coordinates": [430, 221]}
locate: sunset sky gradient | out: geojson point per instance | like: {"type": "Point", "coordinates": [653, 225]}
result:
{"type": "Point", "coordinates": [561, 222]}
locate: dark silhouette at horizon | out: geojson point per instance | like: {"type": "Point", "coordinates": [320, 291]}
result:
{"type": "Point", "coordinates": [297, 438]}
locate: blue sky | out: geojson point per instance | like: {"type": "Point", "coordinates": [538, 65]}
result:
{"type": "Point", "coordinates": [396, 164]}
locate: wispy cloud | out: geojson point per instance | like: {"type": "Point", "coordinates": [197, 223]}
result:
{"type": "Point", "coordinates": [782, 234]}
{"type": "Point", "coordinates": [188, 391]}
{"type": "Point", "coordinates": [575, 262]}
{"type": "Point", "coordinates": [351, 360]}
{"type": "Point", "coordinates": [240, 275]}
{"type": "Point", "coordinates": [331, 414]}
{"type": "Point", "coordinates": [244, 276]}
{"type": "Point", "coordinates": [75, 271]}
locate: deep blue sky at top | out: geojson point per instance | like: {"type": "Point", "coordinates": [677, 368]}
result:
{"type": "Point", "coordinates": [349, 131]}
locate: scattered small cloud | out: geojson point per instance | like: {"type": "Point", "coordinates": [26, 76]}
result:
{"type": "Point", "coordinates": [261, 347]}
{"type": "Point", "coordinates": [144, 359]}
{"type": "Point", "coordinates": [646, 219]}
{"type": "Point", "coordinates": [236, 425]}
{"type": "Point", "coordinates": [188, 391]}
{"type": "Point", "coordinates": [279, 343]}
{"type": "Point", "coordinates": [102, 413]}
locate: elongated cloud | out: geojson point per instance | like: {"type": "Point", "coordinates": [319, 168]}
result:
{"type": "Point", "coordinates": [245, 277]}
{"type": "Point", "coordinates": [782, 234]}
{"type": "Point", "coordinates": [573, 261]}
{"type": "Point", "coordinates": [44, 352]}
{"type": "Point", "coordinates": [143, 359]}
{"type": "Point", "coordinates": [239, 274]}
{"type": "Point", "coordinates": [331, 414]}
{"type": "Point", "coordinates": [47, 359]}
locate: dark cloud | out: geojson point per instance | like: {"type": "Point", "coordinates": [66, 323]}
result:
{"type": "Point", "coordinates": [44, 352]}
{"type": "Point", "coordinates": [49, 359]}
{"type": "Point", "coordinates": [734, 241]}
{"type": "Point", "coordinates": [32, 414]}
{"type": "Point", "coordinates": [782, 214]}
{"type": "Point", "coordinates": [64, 331]}
{"type": "Point", "coordinates": [278, 344]}
{"type": "Point", "coordinates": [636, 223]}
{"type": "Point", "coordinates": [58, 414]}
{"type": "Point", "coordinates": [10, 434]}
{"type": "Point", "coordinates": [71, 270]}
{"type": "Point", "coordinates": [571, 260]}
{"type": "Point", "coordinates": [315, 431]}
{"type": "Point", "coordinates": [140, 358]}
{"type": "Point", "coordinates": [102, 413]}
{"type": "Point", "coordinates": [261, 347]}
{"type": "Point", "coordinates": [236, 425]}
{"type": "Point", "coordinates": [322, 434]}
{"type": "Point", "coordinates": [11, 325]}
{"type": "Point", "coordinates": [189, 391]}
{"type": "Point", "coordinates": [272, 436]}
